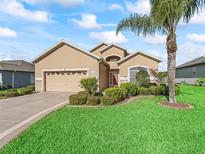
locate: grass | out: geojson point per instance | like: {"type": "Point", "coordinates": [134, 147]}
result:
{"type": "Point", "coordinates": [141, 126]}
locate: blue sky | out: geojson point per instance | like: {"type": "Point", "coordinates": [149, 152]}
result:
{"type": "Point", "coordinates": [29, 27]}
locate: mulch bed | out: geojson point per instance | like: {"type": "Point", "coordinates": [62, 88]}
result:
{"type": "Point", "coordinates": [176, 105]}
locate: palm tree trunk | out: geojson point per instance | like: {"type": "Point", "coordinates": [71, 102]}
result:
{"type": "Point", "coordinates": [171, 51]}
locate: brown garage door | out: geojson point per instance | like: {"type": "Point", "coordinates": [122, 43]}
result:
{"type": "Point", "coordinates": [64, 81]}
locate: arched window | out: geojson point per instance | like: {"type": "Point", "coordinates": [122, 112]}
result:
{"type": "Point", "coordinates": [112, 58]}
{"type": "Point", "coordinates": [133, 71]}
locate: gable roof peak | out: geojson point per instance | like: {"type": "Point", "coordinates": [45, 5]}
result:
{"type": "Point", "coordinates": [60, 44]}
{"type": "Point", "coordinates": [98, 46]}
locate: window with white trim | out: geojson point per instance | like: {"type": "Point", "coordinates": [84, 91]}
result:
{"type": "Point", "coordinates": [133, 71]}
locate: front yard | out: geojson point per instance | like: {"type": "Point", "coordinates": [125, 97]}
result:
{"type": "Point", "coordinates": [141, 126]}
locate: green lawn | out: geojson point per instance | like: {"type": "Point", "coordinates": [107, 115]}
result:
{"type": "Point", "coordinates": [138, 127]}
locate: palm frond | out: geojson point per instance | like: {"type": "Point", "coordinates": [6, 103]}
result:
{"type": "Point", "coordinates": [139, 25]}
{"type": "Point", "coordinates": [192, 7]}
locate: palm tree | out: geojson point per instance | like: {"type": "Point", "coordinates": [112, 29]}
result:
{"type": "Point", "coordinates": [164, 18]}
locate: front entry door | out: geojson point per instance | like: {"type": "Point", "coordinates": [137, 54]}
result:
{"type": "Point", "coordinates": [113, 79]}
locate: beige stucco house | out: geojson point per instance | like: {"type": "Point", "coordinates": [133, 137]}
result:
{"type": "Point", "coordinates": [62, 66]}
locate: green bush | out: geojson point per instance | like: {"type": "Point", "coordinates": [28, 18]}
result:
{"type": "Point", "coordinates": [116, 93]}
{"type": "Point", "coordinates": [131, 88]}
{"type": "Point", "coordinates": [11, 94]}
{"type": "Point", "coordinates": [77, 99]}
{"type": "Point", "coordinates": [31, 87]}
{"type": "Point", "coordinates": [177, 90]}
{"type": "Point", "coordinates": [98, 94]}
{"type": "Point", "coordinates": [105, 100]}
{"type": "Point", "coordinates": [153, 90]}
{"type": "Point", "coordinates": [143, 78]}
{"type": "Point", "coordinates": [25, 91]}
{"type": "Point", "coordinates": [93, 100]}
{"type": "Point", "coordinates": [90, 85]}
{"type": "Point", "coordinates": [144, 91]}
{"type": "Point", "coordinates": [200, 82]}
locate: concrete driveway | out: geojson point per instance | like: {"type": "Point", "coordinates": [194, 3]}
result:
{"type": "Point", "coordinates": [16, 114]}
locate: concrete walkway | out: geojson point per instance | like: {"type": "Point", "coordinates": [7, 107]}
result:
{"type": "Point", "coordinates": [16, 114]}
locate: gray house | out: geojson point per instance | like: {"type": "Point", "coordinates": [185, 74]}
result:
{"type": "Point", "coordinates": [16, 73]}
{"type": "Point", "coordinates": [191, 71]}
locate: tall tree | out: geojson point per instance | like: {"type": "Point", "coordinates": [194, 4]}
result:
{"type": "Point", "coordinates": [164, 18]}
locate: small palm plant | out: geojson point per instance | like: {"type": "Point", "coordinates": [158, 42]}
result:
{"type": "Point", "coordinates": [164, 18]}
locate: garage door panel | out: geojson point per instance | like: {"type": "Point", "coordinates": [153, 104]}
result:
{"type": "Point", "coordinates": [64, 81]}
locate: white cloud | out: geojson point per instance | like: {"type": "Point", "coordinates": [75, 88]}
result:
{"type": "Point", "coordinates": [189, 51]}
{"type": "Point", "coordinates": [6, 32]}
{"type": "Point", "coordinates": [67, 3]}
{"type": "Point", "coordinates": [198, 18]}
{"type": "Point", "coordinates": [116, 7]}
{"type": "Point", "coordinates": [88, 21]}
{"type": "Point", "coordinates": [108, 37]}
{"type": "Point", "coordinates": [140, 6]}
{"type": "Point", "coordinates": [196, 37]}
{"type": "Point", "coordinates": [155, 39]}
{"type": "Point", "coordinates": [17, 9]}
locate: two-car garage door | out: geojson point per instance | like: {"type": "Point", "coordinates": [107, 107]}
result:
{"type": "Point", "coordinates": [64, 80]}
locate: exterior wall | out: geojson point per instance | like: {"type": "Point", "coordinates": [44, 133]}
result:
{"type": "Point", "coordinates": [113, 51]}
{"type": "Point", "coordinates": [186, 80]}
{"type": "Point", "coordinates": [103, 76]}
{"type": "Point", "coordinates": [6, 78]}
{"type": "Point", "coordinates": [64, 58]}
{"type": "Point", "coordinates": [138, 60]}
{"type": "Point", "coordinates": [188, 72]}
{"type": "Point", "coordinates": [97, 51]}
{"type": "Point", "coordinates": [20, 79]}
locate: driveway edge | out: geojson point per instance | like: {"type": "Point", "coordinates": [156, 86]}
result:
{"type": "Point", "coordinates": [14, 131]}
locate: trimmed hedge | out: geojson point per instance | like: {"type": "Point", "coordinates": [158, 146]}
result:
{"type": "Point", "coordinates": [132, 89]}
{"type": "Point", "coordinates": [200, 82]}
{"type": "Point", "coordinates": [11, 94]}
{"type": "Point", "coordinates": [93, 100]}
{"type": "Point", "coordinates": [116, 93]}
{"type": "Point", "coordinates": [83, 93]}
{"type": "Point", "coordinates": [25, 91]}
{"type": "Point", "coordinates": [77, 99]}
{"type": "Point", "coordinates": [105, 100]}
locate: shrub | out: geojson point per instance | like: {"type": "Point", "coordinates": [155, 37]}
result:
{"type": "Point", "coordinates": [131, 88]}
{"type": "Point", "coordinates": [93, 100]}
{"type": "Point", "coordinates": [77, 99]}
{"type": "Point", "coordinates": [177, 90]}
{"type": "Point", "coordinates": [90, 85]}
{"type": "Point", "coordinates": [31, 87]}
{"type": "Point", "coordinates": [11, 94]}
{"type": "Point", "coordinates": [98, 94]}
{"type": "Point", "coordinates": [144, 91]}
{"type": "Point", "coordinates": [200, 82]}
{"type": "Point", "coordinates": [105, 100]}
{"type": "Point", "coordinates": [143, 78]}
{"type": "Point", "coordinates": [116, 93]}
{"type": "Point", "coordinates": [153, 90]}
{"type": "Point", "coordinates": [25, 91]}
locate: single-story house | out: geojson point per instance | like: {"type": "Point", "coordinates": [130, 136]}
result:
{"type": "Point", "coordinates": [16, 73]}
{"type": "Point", "coordinates": [191, 71]}
{"type": "Point", "coordinates": [62, 66]}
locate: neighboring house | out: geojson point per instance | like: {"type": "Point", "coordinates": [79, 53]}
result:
{"type": "Point", "coordinates": [62, 66]}
{"type": "Point", "coordinates": [16, 73]}
{"type": "Point", "coordinates": [191, 71]}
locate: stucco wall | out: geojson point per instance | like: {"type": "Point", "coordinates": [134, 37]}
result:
{"type": "Point", "coordinates": [113, 51]}
{"type": "Point", "coordinates": [188, 72]}
{"type": "Point", "coordinates": [104, 76]}
{"type": "Point", "coordinates": [138, 60]}
{"type": "Point", "coordinates": [65, 57]}
{"type": "Point", "coordinates": [97, 51]}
